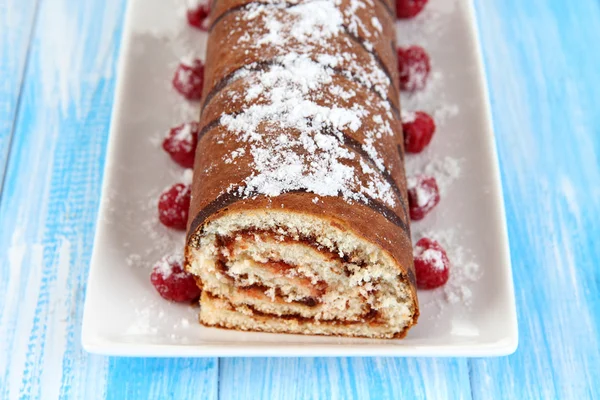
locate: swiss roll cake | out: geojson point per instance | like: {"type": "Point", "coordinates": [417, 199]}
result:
{"type": "Point", "coordinates": [298, 218]}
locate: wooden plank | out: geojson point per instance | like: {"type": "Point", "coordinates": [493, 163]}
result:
{"type": "Point", "coordinates": [48, 213]}
{"type": "Point", "coordinates": [161, 378]}
{"type": "Point", "coordinates": [344, 378]}
{"type": "Point", "coordinates": [16, 25]}
{"type": "Point", "coordinates": [542, 62]}
{"type": "Point", "coordinates": [544, 83]}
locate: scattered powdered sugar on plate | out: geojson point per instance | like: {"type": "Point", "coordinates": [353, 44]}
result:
{"type": "Point", "coordinates": [145, 321]}
{"type": "Point", "coordinates": [160, 239]}
{"type": "Point", "coordinates": [464, 270]}
{"type": "Point", "coordinates": [444, 112]}
{"type": "Point", "coordinates": [445, 170]}
{"type": "Point", "coordinates": [427, 30]}
{"type": "Point", "coordinates": [153, 316]}
{"type": "Point", "coordinates": [133, 259]}
{"type": "Point", "coordinates": [187, 176]}
{"type": "Point", "coordinates": [189, 59]}
{"type": "Point", "coordinates": [163, 30]}
{"type": "Point", "coordinates": [167, 20]}
{"type": "Point", "coordinates": [275, 174]}
{"type": "Point", "coordinates": [431, 96]}
{"type": "Point", "coordinates": [408, 116]}
{"type": "Point", "coordinates": [192, 4]}
{"type": "Point", "coordinates": [428, 25]}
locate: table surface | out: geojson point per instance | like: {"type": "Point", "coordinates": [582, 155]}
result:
{"type": "Point", "coordinates": [57, 80]}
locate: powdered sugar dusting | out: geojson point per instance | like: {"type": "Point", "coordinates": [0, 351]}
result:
{"type": "Point", "coordinates": [464, 270]}
{"type": "Point", "coordinates": [319, 19]}
{"type": "Point", "coordinates": [144, 323]}
{"type": "Point", "coordinates": [185, 76]}
{"type": "Point", "coordinates": [417, 76]}
{"type": "Point", "coordinates": [165, 265]}
{"type": "Point", "coordinates": [444, 112]}
{"type": "Point", "coordinates": [295, 141]}
{"type": "Point", "coordinates": [133, 259]}
{"type": "Point", "coordinates": [376, 24]}
{"type": "Point", "coordinates": [433, 257]}
{"type": "Point", "coordinates": [185, 133]}
{"type": "Point", "coordinates": [408, 116]}
{"type": "Point", "coordinates": [424, 193]}
{"type": "Point", "coordinates": [446, 170]}
{"type": "Point", "coordinates": [193, 4]}
{"type": "Point", "coordinates": [187, 176]}
{"type": "Point", "coordinates": [306, 27]}
{"type": "Point", "coordinates": [189, 60]}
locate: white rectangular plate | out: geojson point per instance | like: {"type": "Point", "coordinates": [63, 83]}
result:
{"type": "Point", "coordinates": [474, 315]}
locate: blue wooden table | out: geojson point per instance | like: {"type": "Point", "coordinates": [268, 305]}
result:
{"type": "Point", "coordinates": [57, 79]}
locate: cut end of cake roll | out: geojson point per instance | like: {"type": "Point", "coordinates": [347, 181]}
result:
{"type": "Point", "coordinates": [292, 272]}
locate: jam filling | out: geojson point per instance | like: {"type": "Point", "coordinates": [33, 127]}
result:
{"type": "Point", "coordinates": [226, 245]}
{"type": "Point", "coordinates": [310, 301]}
{"type": "Point", "coordinates": [371, 316]}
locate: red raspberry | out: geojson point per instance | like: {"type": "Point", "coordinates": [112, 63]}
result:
{"type": "Point", "coordinates": [189, 79]}
{"type": "Point", "coordinates": [181, 142]}
{"type": "Point", "coordinates": [418, 128]}
{"type": "Point", "coordinates": [174, 206]}
{"type": "Point", "coordinates": [409, 8]}
{"type": "Point", "coordinates": [431, 264]}
{"type": "Point", "coordinates": [414, 68]}
{"type": "Point", "coordinates": [423, 196]}
{"type": "Point", "coordinates": [198, 16]}
{"type": "Point", "coordinates": [172, 282]}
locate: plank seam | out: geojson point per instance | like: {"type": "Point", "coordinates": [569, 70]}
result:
{"type": "Point", "coordinates": [19, 101]}
{"type": "Point", "coordinates": [219, 380]}
{"type": "Point", "coordinates": [470, 376]}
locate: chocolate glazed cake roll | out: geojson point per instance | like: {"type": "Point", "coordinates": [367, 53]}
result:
{"type": "Point", "coordinates": [299, 221]}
